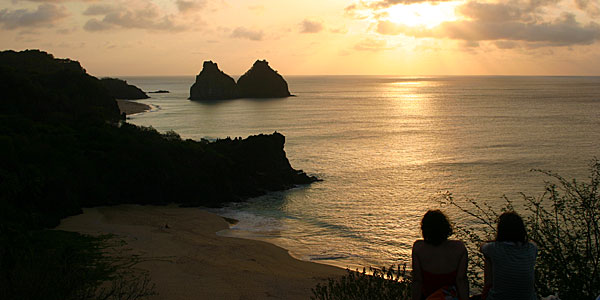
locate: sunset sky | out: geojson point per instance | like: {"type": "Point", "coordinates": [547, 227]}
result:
{"type": "Point", "coordinates": [396, 37]}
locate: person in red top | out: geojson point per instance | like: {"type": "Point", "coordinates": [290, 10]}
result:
{"type": "Point", "coordinates": [439, 265]}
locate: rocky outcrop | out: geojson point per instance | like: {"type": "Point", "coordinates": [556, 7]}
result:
{"type": "Point", "coordinates": [212, 84]}
{"type": "Point", "coordinates": [120, 89]}
{"type": "Point", "coordinates": [260, 164]}
{"type": "Point", "coordinates": [261, 81]}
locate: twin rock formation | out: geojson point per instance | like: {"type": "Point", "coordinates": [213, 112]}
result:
{"type": "Point", "coordinates": [261, 81]}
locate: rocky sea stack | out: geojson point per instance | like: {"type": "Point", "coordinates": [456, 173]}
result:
{"type": "Point", "coordinates": [212, 84]}
{"type": "Point", "coordinates": [120, 89]}
{"type": "Point", "coordinates": [261, 81]}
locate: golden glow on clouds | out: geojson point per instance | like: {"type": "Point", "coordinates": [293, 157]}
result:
{"type": "Point", "coordinates": [423, 14]}
{"type": "Point", "coordinates": [306, 37]}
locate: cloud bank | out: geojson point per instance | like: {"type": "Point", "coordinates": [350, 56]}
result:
{"type": "Point", "coordinates": [505, 23]}
{"type": "Point", "coordinates": [372, 45]}
{"type": "Point", "coordinates": [308, 26]}
{"type": "Point", "coordinates": [388, 3]}
{"type": "Point", "coordinates": [124, 15]}
{"type": "Point", "coordinates": [44, 15]}
{"type": "Point", "coordinates": [189, 6]}
{"type": "Point", "coordinates": [563, 31]}
{"type": "Point", "coordinates": [244, 33]}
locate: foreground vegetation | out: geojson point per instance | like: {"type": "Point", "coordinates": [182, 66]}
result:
{"type": "Point", "coordinates": [564, 222]}
{"type": "Point", "coordinates": [380, 284]}
{"type": "Point", "coordinates": [61, 265]}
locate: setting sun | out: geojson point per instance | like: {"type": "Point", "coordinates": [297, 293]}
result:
{"type": "Point", "coordinates": [423, 14]}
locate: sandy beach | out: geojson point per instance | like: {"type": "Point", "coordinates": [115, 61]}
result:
{"type": "Point", "coordinates": [130, 107]}
{"type": "Point", "coordinates": [195, 262]}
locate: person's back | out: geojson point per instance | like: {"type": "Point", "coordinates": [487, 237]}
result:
{"type": "Point", "coordinates": [440, 259]}
{"type": "Point", "coordinates": [510, 261]}
{"type": "Point", "coordinates": [512, 270]}
{"type": "Point", "coordinates": [438, 264]}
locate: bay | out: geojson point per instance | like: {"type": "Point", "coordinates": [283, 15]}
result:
{"type": "Point", "coordinates": [385, 146]}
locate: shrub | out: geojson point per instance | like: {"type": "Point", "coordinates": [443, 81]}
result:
{"type": "Point", "coordinates": [564, 222]}
{"type": "Point", "coordinates": [382, 284]}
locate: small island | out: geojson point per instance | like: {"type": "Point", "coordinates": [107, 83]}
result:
{"type": "Point", "coordinates": [120, 89]}
{"type": "Point", "coordinates": [212, 84]}
{"type": "Point", "coordinates": [261, 81]}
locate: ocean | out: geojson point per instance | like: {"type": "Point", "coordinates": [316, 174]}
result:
{"type": "Point", "coordinates": [386, 146]}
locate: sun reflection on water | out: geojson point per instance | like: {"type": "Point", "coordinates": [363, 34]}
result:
{"type": "Point", "coordinates": [407, 83]}
{"type": "Point", "coordinates": [385, 145]}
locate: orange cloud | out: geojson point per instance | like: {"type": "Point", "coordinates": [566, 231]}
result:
{"type": "Point", "coordinates": [308, 26]}
{"type": "Point", "coordinates": [44, 15]}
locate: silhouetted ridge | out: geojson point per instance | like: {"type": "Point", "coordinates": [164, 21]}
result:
{"type": "Point", "coordinates": [212, 84]}
{"type": "Point", "coordinates": [261, 81]}
{"type": "Point", "coordinates": [36, 84]}
{"type": "Point", "coordinates": [120, 89]}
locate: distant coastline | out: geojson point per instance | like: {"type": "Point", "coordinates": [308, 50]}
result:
{"type": "Point", "coordinates": [129, 107]}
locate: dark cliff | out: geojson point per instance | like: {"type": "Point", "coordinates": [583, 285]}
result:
{"type": "Point", "coordinates": [120, 89]}
{"type": "Point", "coordinates": [212, 84]}
{"type": "Point", "coordinates": [84, 155]}
{"type": "Point", "coordinates": [39, 86]}
{"type": "Point", "coordinates": [261, 81]}
{"type": "Point", "coordinates": [263, 160]}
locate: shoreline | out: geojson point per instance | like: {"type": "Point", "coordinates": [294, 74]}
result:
{"type": "Point", "coordinates": [129, 107]}
{"type": "Point", "coordinates": [328, 261]}
{"type": "Point", "coordinates": [188, 260]}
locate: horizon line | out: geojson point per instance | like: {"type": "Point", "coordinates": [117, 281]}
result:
{"type": "Point", "coordinates": [370, 75]}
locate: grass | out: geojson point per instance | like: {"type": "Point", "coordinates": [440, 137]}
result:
{"type": "Point", "coordinates": [53, 264]}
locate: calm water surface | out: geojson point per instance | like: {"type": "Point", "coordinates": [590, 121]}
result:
{"type": "Point", "coordinates": [385, 146]}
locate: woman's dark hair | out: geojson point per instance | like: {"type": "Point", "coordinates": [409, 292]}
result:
{"type": "Point", "coordinates": [435, 227]}
{"type": "Point", "coordinates": [511, 228]}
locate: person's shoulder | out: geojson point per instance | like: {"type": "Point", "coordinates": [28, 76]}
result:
{"type": "Point", "coordinates": [532, 245]}
{"type": "Point", "coordinates": [417, 248]}
{"type": "Point", "coordinates": [458, 245]}
{"type": "Point", "coordinates": [487, 246]}
{"type": "Point", "coordinates": [418, 244]}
